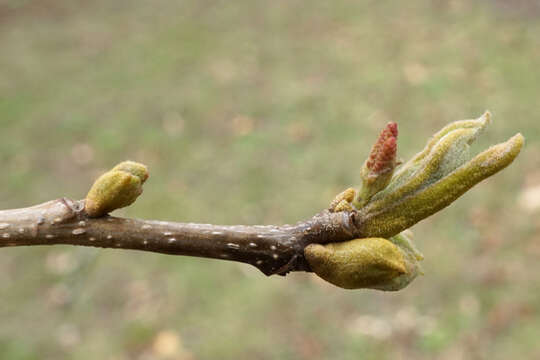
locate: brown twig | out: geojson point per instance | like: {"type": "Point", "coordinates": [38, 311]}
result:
{"type": "Point", "coordinates": [356, 243]}
{"type": "Point", "coordinates": [272, 249]}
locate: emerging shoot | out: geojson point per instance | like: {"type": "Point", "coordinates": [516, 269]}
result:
{"type": "Point", "coordinates": [389, 202]}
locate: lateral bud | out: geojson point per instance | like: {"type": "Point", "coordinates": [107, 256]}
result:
{"type": "Point", "coordinates": [371, 263]}
{"type": "Point", "coordinates": [117, 188]}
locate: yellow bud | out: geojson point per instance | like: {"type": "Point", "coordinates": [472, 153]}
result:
{"type": "Point", "coordinates": [374, 263]}
{"type": "Point", "coordinates": [116, 188]}
{"type": "Point", "coordinates": [346, 196]}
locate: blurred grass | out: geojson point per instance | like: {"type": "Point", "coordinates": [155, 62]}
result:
{"type": "Point", "coordinates": [259, 112]}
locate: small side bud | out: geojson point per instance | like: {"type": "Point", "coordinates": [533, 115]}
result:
{"type": "Point", "coordinates": [373, 263]}
{"type": "Point", "coordinates": [342, 201]}
{"type": "Point", "coordinates": [379, 167]}
{"type": "Point", "coordinates": [115, 189]}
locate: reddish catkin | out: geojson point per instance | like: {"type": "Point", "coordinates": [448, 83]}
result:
{"type": "Point", "coordinates": [383, 153]}
{"type": "Point", "coordinates": [385, 160]}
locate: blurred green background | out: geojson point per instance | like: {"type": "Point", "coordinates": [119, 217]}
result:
{"type": "Point", "coordinates": [259, 112]}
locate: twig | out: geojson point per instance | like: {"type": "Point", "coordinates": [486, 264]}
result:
{"type": "Point", "coordinates": [272, 249]}
{"type": "Point", "coordinates": [356, 243]}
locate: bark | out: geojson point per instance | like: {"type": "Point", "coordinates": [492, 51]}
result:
{"type": "Point", "coordinates": [272, 249]}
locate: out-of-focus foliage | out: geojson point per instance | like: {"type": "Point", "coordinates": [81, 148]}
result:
{"type": "Point", "coordinates": [252, 112]}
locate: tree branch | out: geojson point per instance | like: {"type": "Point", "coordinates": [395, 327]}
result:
{"type": "Point", "coordinates": [358, 242]}
{"type": "Point", "coordinates": [272, 249]}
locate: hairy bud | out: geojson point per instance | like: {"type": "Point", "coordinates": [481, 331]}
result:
{"type": "Point", "coordinates": [342, 201]}
{"type": "Point", "coordinates": [371, 263]}
{"type": "Point", "coordinates": [115, 189]}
